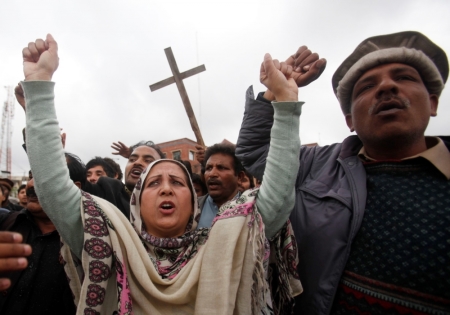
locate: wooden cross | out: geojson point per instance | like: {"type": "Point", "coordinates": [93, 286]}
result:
{"type": "Point", "coordinates": [178, 79]}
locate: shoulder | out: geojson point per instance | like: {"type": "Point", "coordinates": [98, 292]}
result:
{"type": "Point", "coordinates": [202, 200]}
{"type": "Point", "coordinates": [446, 140]}
{"type": "Point", "coordinates": [108, 181]}
{"type": "Point", "coordinates": [7, 220]}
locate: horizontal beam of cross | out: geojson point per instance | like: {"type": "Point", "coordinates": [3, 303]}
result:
{"type": "Point", "coordinates": [183, 75]}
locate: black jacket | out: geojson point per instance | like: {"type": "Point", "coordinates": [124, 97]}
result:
{"type": "Point", "coordinates": [41, 288]}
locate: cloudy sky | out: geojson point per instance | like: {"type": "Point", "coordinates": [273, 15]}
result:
{"type": "Point", "coordinates": [111, 51]}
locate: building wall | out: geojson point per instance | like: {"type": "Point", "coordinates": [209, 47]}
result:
{"type": "Point", "coordinates": [186, 149]}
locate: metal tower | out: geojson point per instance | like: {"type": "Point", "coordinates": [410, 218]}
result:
{"type": "Point", "coordinates": [5, 136]}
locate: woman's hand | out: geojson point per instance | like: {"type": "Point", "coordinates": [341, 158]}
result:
{"type": "Point", "coordinates": [277, 78]}
{"type": "Point", "coordinates": [40, 59]}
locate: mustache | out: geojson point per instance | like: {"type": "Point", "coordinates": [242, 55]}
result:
{"type": "Point", "coordinates": [31, 192]}
{"type": "Point", "coordinates": [214, 182]}
{"type": "Point", "coordinates": [390, 97]}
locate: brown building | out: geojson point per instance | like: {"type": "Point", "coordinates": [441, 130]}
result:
{"type": "Point", "coordinates": [181, 149]}
{"type": "Point", "coordinates": [184, 149]}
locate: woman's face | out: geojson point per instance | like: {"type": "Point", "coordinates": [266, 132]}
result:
{"type": "Point", "coordinates": [166, 200]}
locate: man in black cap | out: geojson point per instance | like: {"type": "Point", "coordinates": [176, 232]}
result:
{"type": "Point", "coordinates": [372, 214]}
{"type": "Point", "coordinates": [6, 186]}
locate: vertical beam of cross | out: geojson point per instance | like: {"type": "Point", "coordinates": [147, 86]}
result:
{"type": "Point", "coordinates": [178, 79]}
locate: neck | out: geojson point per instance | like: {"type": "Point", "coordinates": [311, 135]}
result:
{"type": "Point", "coordinates": [45, 225]}
{"type": "Point", "coordinates": [220, 202]}
{"type": "Point", "coordinates": [23, 204]}
{"type": "Point", "coordinates": [395, 150]}
{"type": "Point", "coordinates": [129, 189]}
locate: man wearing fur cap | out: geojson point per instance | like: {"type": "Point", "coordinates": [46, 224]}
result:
{"type": "Point", "coordinates": [372, 214]}
{"type": "Point", "coordinates": [6, 185]}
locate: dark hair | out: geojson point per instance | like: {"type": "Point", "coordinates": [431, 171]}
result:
{"type": "Point", "coordinates": [77, 169]}
{"type": "Point", "coordinates": [196, 179]}
{"type": "Point", "coordinates": [227, 149]}
{"type": "Point", "coordinates": [150, 144]}
{"type": "Point", "coordinates": [98, 161]}
{"type": "Point", "coordinates": [23, 186]}
{"type": "Point", "coordinates": [250, 178]}
{"type": "Point", "coordinates": [115, 167]}
{"type": "Point", "coordinates": [187, 164]}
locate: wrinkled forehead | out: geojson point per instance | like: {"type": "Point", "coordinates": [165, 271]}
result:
{"type": "Point", "coordinates": [392, 67]}
{"type": "Point", "coordinates": [168, 166]}
{"type": "Point", "coordinates": [221, 158]}
{"type": "Point", "coordinates": [159, 165]}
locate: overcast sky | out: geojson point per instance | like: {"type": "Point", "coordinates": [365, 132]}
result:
{"type": "Point", "coordinates": [111, 51]}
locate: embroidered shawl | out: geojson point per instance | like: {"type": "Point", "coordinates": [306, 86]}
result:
{"type": "Point", "coordinates": [219, 270]}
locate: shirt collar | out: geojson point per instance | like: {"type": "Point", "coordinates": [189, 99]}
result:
{"type": "Point", "coordinates": [210, 200]}
{"type": "Point", "coordinates": [437, 154]}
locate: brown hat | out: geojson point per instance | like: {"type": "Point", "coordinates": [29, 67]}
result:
{"type": "Point", "coordinates": [6, 182]}
{"type": "Point", "coordinates": [411, 48]}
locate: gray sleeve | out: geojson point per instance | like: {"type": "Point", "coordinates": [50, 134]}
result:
{"type": "Point", "coordinates": [276, 196]}
{"type": "Point", "coordinates": [58, 195]}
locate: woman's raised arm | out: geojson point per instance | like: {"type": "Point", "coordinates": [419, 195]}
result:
{"type": "Point", "coordinates": [58, 195]}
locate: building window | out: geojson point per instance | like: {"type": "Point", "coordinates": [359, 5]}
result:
{"type": "Point", "coordinates": [191, 155]}
{"type": "Point", "coordinates": [176, 155]}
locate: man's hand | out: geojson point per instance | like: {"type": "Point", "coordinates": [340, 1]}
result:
{"type": "Point", "coordinates": [307, 67]}
{"type": "Point", "coordinates": [12, 255]}
{"type": "Point", "coordinates": [277, 78]}
{"type": "Point", "coordinates": [121, 149]}
{"type": "Point", "coordinates": [200, 153]}
{"type": "Point", "coordinates": [40, 59]}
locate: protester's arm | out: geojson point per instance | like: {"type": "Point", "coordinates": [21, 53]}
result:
{"type": "Point", "coordinates": [12, 255]}
{"type": "Point", "coordinates": [253, 142]}
{"type": "Point", "coordinates": [276, 197]}
{"type": "Point", "coordinates": [200, 153]}
{"type": "Point", "coordinates": [58, 195]}
{"type": "Point", "coordinates": [121, 149]}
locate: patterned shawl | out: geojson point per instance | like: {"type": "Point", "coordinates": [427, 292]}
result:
{"type": "Point", "coordinates": [220, 270]}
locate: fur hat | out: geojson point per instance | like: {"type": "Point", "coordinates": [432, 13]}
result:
{"type": "Point", "coordinates": [7, 183]}
{"type": "Point", "coordinates": [411, 48]}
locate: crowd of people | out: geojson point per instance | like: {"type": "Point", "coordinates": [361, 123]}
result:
{"type": "Point", "coordinates": [267, 227]}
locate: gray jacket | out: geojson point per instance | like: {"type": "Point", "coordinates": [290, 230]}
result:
{"type": "Point", "coordinates": [329, 207]}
